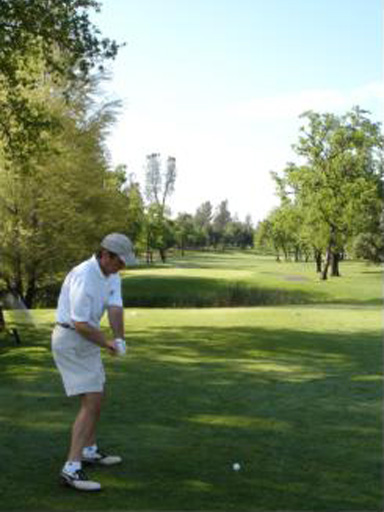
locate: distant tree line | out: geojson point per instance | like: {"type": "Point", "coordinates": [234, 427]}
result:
{"type": "Point", "coordinates": [331, 203]}
{"type": "Point", "coordinates": [150, 225]}
{"type": "Point", "coordinates": [214, 228]}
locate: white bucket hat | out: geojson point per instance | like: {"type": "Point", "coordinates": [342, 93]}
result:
{"type": "Point", "coordinates": [121, 245]}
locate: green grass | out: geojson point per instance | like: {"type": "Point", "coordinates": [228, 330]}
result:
{"type": "Point", "coordinates": [235, 279]}
{"type": "Point", "coordinates": [292, 392]}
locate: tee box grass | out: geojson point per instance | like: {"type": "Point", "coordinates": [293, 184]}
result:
{"type": "Point", "coordinates": [292, 392]}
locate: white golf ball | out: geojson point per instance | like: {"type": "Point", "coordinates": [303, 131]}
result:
{"type": "Point", "coordinates": [236, 466]}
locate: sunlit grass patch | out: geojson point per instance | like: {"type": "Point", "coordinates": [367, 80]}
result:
{"type": "Point", "coordinates": [236, 279]}
{"type": "Point", "coordinates": [240, 422]}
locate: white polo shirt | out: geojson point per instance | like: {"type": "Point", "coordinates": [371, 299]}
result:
{"type": "Point", "coordinates": [86, 293]}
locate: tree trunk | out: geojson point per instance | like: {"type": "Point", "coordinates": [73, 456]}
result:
{"type": "Point", "coordinates": [163, 255]}
{"type": "Point", "coordinates": [335, 258]}
{"type": "Point", "coordinates": [149, 257]}
{"type": "Point", "coordinates": [17, 285]}
{"type": "Point", "coordinates": [319, 261]}
{"type": "Point", "coordinates": [2, 320]}
{"type": "Point", "coordinates": [31, 291]}
{"type": "Point", "coordinates": [148, 250]}
{"type": "Point", "coordinates": [324, 274]}
{"type": "Point", "coordinates": [330, 253]}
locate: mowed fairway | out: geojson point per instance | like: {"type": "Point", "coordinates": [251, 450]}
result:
{"type": "Point", "coordinates": [291, 392]}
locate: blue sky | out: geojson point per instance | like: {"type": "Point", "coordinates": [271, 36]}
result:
{"type": "Point", "coordinates": [219, 84]}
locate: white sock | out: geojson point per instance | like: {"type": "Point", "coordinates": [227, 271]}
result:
{"type": "Point", "coordinates": [71, 466]}
{"type": "Point", "coordinates": [89, 451]}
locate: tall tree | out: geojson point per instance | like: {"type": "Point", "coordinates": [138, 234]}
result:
{"type": "Point", "coordinates": [54, 188]}
{"type": "Point", "coordinates": [56, 209]}
{"type": "Point", "coordinates": [159, 186]}
{"type": "Point", "coordinates": [203, 222]}
{"type": "Point", "coordinates": [185, 231]}
{"type": "Point", "coordinates": [220, 220]}
{"type": "Point", "coordinates": [135, 210]}
{"type": "Point", "coordinates": [340, 184]}
{"type": "Point", "coordinates": [203, 215]}
{"type": "Point", "coordinates": [160, 183]}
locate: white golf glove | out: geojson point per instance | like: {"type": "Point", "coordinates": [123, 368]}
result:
{"type": "Point", "coordinates": [121, 346]}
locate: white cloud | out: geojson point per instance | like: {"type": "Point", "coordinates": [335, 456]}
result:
{"type": "Point", "coordinates": [291, 105]}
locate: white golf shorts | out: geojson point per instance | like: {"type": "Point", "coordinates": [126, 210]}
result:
{"type": "Point", "coordinates": [78, 361]}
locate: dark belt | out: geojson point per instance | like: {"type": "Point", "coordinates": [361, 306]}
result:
{"type": "Point", "coordinates": [66, 326]}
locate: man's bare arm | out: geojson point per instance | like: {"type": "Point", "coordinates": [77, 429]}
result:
{"type": "Point", "coordinates": [116, 320]}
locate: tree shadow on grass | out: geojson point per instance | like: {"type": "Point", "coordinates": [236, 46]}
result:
{"type": "Point", "coordinates": [299, 411]}
{"type": "Point", "coordinates": [186, 292]}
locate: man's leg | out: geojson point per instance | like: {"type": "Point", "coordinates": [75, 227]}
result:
{"type": "Point", "coordinates": [83, 430]}
{"type": "Point", "coordinates": [84, 427]}
{"type": "Point", "coordinates": [90, 452]}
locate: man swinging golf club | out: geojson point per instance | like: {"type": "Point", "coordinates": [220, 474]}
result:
{"type": "Point", "coordinates": [88, 290]}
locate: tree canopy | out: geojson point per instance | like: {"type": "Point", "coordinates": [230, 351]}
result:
{"type": "Point", "coordinates": [336, 193]}
{"type": "Point", "coordinates": [61, 29]}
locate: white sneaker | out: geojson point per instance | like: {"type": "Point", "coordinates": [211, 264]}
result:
{"type": "Point", "coordinates": [101, 459]}
{"type": "Point", "coordinates": [79, 480]}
